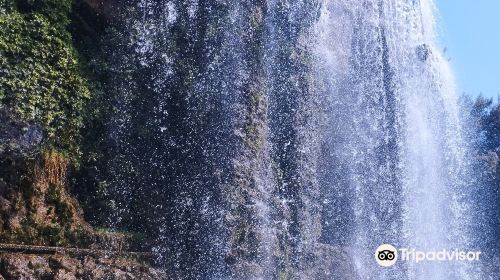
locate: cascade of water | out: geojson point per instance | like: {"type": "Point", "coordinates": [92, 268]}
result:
{"type": "Point", "coordinates": [293, 122]}
{"type": "Point", "coordinates": [394, 126]}
{"type": "Point", "coordinates": [191, 137]}
{"type": "Point", "coordinates": [265, 136]}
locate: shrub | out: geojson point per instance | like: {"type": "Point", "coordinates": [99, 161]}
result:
{"type": "Point", "coordinates": [40, 77]}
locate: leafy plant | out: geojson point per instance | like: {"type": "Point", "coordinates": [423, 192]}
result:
{"type": "Point", "coordinates": [40, 77]}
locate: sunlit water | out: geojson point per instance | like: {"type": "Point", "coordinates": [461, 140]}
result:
{"type": "Point", "coordinates": [355, 135]}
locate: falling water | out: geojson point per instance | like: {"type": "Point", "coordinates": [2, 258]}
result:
{"type": "Point", "coordinates": [279, 139]}
{"type": "Point", "coordinates": [394, 127]}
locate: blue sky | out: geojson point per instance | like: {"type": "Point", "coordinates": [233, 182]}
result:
{"type": "Point", "coordinates": [470, 31]}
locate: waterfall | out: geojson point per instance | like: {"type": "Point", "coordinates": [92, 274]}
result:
{"type": "Point", "coordinates": [394, 126]}
{"type": "Point", "coordinates": [288, 139]}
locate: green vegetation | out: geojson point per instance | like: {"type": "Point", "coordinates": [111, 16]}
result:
{"type": "Point", "coordinates": [43, 82]}
{"type": "Point", "coordinates": [40, 77]}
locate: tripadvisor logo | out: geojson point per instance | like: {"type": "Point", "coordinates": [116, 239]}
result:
{"type": "Point", "coordinates": [386, 255]}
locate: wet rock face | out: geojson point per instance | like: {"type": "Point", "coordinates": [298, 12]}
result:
{"type": "Point", "coordinates": [105, 8]}
{"type": "Point", "coordinates": [17, 136]}
{"type": "Point", "coordinates": [62, 267]}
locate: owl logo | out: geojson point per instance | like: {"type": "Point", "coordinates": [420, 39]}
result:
{"type": "Point", "coordinates": [386, 255]}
